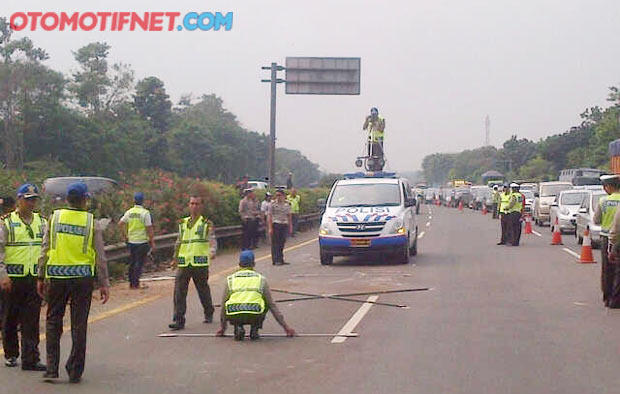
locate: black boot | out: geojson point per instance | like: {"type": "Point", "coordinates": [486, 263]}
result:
{"type": "Point", "coordinates": [254, 333]}
{"type": "Point", "coordinates": [177, 325]}
{"type": "Point", "coordinates": [239, 332]}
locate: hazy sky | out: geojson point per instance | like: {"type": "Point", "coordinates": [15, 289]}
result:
{"type": "Point", "coordinates": [433, 68]}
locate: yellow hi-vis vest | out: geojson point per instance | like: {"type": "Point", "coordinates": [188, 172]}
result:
{"type": "Point", "coordinates": [195, 249]}
{"type": "Point", "coordinates": [136, 230]}
{"type": "Point", "coordinates": [518, 207]}
{"type": "Point", "coordinates": [246, 293]}
{"type": "Point", "coordinates": [23, 246]}
{"type": "Point", "coordinates": [609, 205]}
{"type": "Point", "coordinates": [504, 202]}
{"type": "Point", "coordinates": [71, 253]}
{"type": "Point", "coordinates": [374, 134]}
{"type": "Point", "coordinates": [294, 202]}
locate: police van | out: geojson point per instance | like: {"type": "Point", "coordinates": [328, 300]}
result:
{"type": "Point", "coordinates": [369, 213]}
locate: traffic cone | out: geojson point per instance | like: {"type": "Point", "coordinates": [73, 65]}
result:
{"type": "Point", "coordinates": [461, 206]}
{"type": "Point", "coordinates": [586, 249]}
{"type": "Point", "coordinates": [484, 209]}
{"type": "Point", "coordinates": [557, 235]}
{"type": "Point", "coordinates": [528, 225]}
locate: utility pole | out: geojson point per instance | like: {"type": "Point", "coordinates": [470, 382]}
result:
{"type": "Point", "coordinates": [487, 131]}
{"type": "Point", "coordinates": [272, 118]}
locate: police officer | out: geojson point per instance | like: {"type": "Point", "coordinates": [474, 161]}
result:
{"type": "Point", "coordinates": [515, 208]}
{"type": "Point", "coordinates": [503, 215]}
{"type": "Point", "coordinates": [72, 253]}
{"type": "Point", "coordinates": [294, 201]}
{"type": "Point", "coordinates": [247, 299]}
{"type": "Point", "coordinates": [495, 198]}
{"type": "Point", "coordinates": [21, 234]}
{"type": "Point", "coordinates": [195, 248]}
{"type": "Point", "coordinates": [279, 222]}
{"type": "Point", "coordinates": [603, 216]}
{"type": "Point", "coordinates": [139, 238]}
{"type": "Point", "coordinates": [249, 211]}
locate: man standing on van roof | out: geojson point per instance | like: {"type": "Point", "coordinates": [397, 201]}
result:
{"type": "Point", "coordinates": [139, 238]}
{"type": "Point", "coordinates": [604, 216]}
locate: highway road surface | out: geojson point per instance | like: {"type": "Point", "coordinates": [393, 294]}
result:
{"type": "Point", "coordinates": [495, 319]}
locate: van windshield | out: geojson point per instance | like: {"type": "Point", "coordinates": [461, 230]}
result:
{"type": "Point", "coordinates": [553, 190]}
{"type": "Point", "coordinates": [368, 195]}
{"type": "Point", "coordinates": [572, 198]}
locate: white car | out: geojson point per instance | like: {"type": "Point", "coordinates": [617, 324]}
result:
{"type": "Point", "coordinates": [544, 197]}
{"type": "Point", "coordinates": [369, 214]}
{"type": "Point", "coordinates": [257, 185]}
{"type": "Point", "coordinates": [585, 217]}
{"type": "Point", "coordinates": [565, 208]}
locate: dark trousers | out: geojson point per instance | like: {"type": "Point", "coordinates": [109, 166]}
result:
{"type": "Point", "coordinates": [137, 254]}
{"type": "Point", "coordinates": [249, 229]}
{"type": "Point", "coordinates": [78, 293]}
{"type": "Point", "coordinates": [200, 275]}
{"type": "Point", "coordinates": [504, 222]}
{"type": "Point", "coordinates": [22, 306]}
{"type": "Point", "coordinates": [295, 217]}
{"type": "Point", "coordinates": [613, 270]}
{"type": "Point", "coordinates": [277, 242]}
{"type": "Point", "coordinates": [607, 277]}
{"type": "Point", "coordinates": [514, 218]}
{"type": "Point", "coordinates": [494, 209]}
{"type": "Point", "coordinates": [253, 320]}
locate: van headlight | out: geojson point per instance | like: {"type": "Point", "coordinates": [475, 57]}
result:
{"type": "Point", "coordinates": [395, 226]}
{"type": "Point", "coordinates": [324, 229]}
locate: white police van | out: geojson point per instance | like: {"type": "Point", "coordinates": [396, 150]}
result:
{"type": "Point", "coordinates": [369, 213]}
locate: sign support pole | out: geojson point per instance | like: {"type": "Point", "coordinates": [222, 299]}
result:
{"type": "Point", "coordinates": [272, 119]}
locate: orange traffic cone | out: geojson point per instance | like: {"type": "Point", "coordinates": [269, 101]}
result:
{"type": "Point", "coordinates": [484, 209]}
{"type": "Point", "coordinates": [528, 225]}
{"type": "Point", "coordinates": [586, 249]}
{"type": "Point", "coordinates": [461, 206]}
{"type": "Point", "coordinates": [557, 235]}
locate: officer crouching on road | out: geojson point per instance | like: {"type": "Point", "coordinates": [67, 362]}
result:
{"type": "Point", "coordinates": [21, 234]}
{"type": "Point", "coordinates": [72, 252]}
{"type": "Point", "coordinates": [247, 299]}
{"type": "Point", "coordinates": [604, 216]}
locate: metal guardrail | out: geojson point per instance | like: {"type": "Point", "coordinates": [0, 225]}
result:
{"type": "Point", "coordinates": [166, 241]}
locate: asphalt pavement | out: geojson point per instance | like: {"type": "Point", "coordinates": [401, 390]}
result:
{"type": "Point", "coordinates": [496, 319]}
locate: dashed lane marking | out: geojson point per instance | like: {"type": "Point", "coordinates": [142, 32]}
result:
{"type": "Point", "coordinates": [567, 250]}
{"type": "Point", "coordinates": [428, 224]}
{"type": "Point", "coordinates": [354, 320]}
{"type": "Point", "coordinates": [536, 233]}
{"type": "Point", "coordinates": [421, 235]}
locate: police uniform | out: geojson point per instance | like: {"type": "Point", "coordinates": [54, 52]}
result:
{"type": "Point", "coordinates": [246, 300]}
{"type": "Point", "coordinates": [604, 215]}
{"type": "Point", "coordinates": [496, 198]}
{"type": "Point", "coordinates": [294, 202]}
{"type": "Point", "coordinates": [72, 254]}
{"type": "Point", "coordinates": [195, 245]}
{"type": "Point", "coordinates": [514, 217]}
{"type": "Point", "coordinates": [376, 132]}
{"type": "Point", "coordinates": [138, 219]}
{"type": "Point", "coordinates": [504, 219]}
{"type": "Point", "coordinates": [279, 212]}
{"type": "Point", "coordinates": [20, 247]}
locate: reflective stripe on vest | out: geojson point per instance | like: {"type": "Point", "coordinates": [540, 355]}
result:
{"type": "Point", "coordinates": [136, 230]}
{"type": "Point", "coordinates": [71, 253]}
{"type": "Point", "coordinates": [504, 202]}
{"type": "Point", "coordinates": [246, 293]}
{"type": "Point", "coordinates": [23, 245]}
{"type": "Point", "coordinates": [294, 202]}
{"type": "Point", "coordinates": [195, 249]}
{"type": "Point", "coordinates": [609, 205]}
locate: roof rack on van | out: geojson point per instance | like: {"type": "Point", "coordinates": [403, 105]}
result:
{"type": "Point", "coordinates": [370, 174]}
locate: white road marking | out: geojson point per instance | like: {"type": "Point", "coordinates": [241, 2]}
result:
{"type": "Point", "coordinates": [536, 233]}
{"type": "Point", "coordinates": [348, 328]}
{"type": "Point", "coordinates": [428, 224]}
{"type": "Point", "coordinates": [430, 217]}
{"type": "Point", "coordinates": [567, 250]}
{"type": "Point", "coordinates": [421, 235]}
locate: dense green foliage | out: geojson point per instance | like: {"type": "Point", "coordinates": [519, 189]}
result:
{"type": "Point", "coordinates": [585, 145]}
{"type": "Point", "coordinates": [99, 121]}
